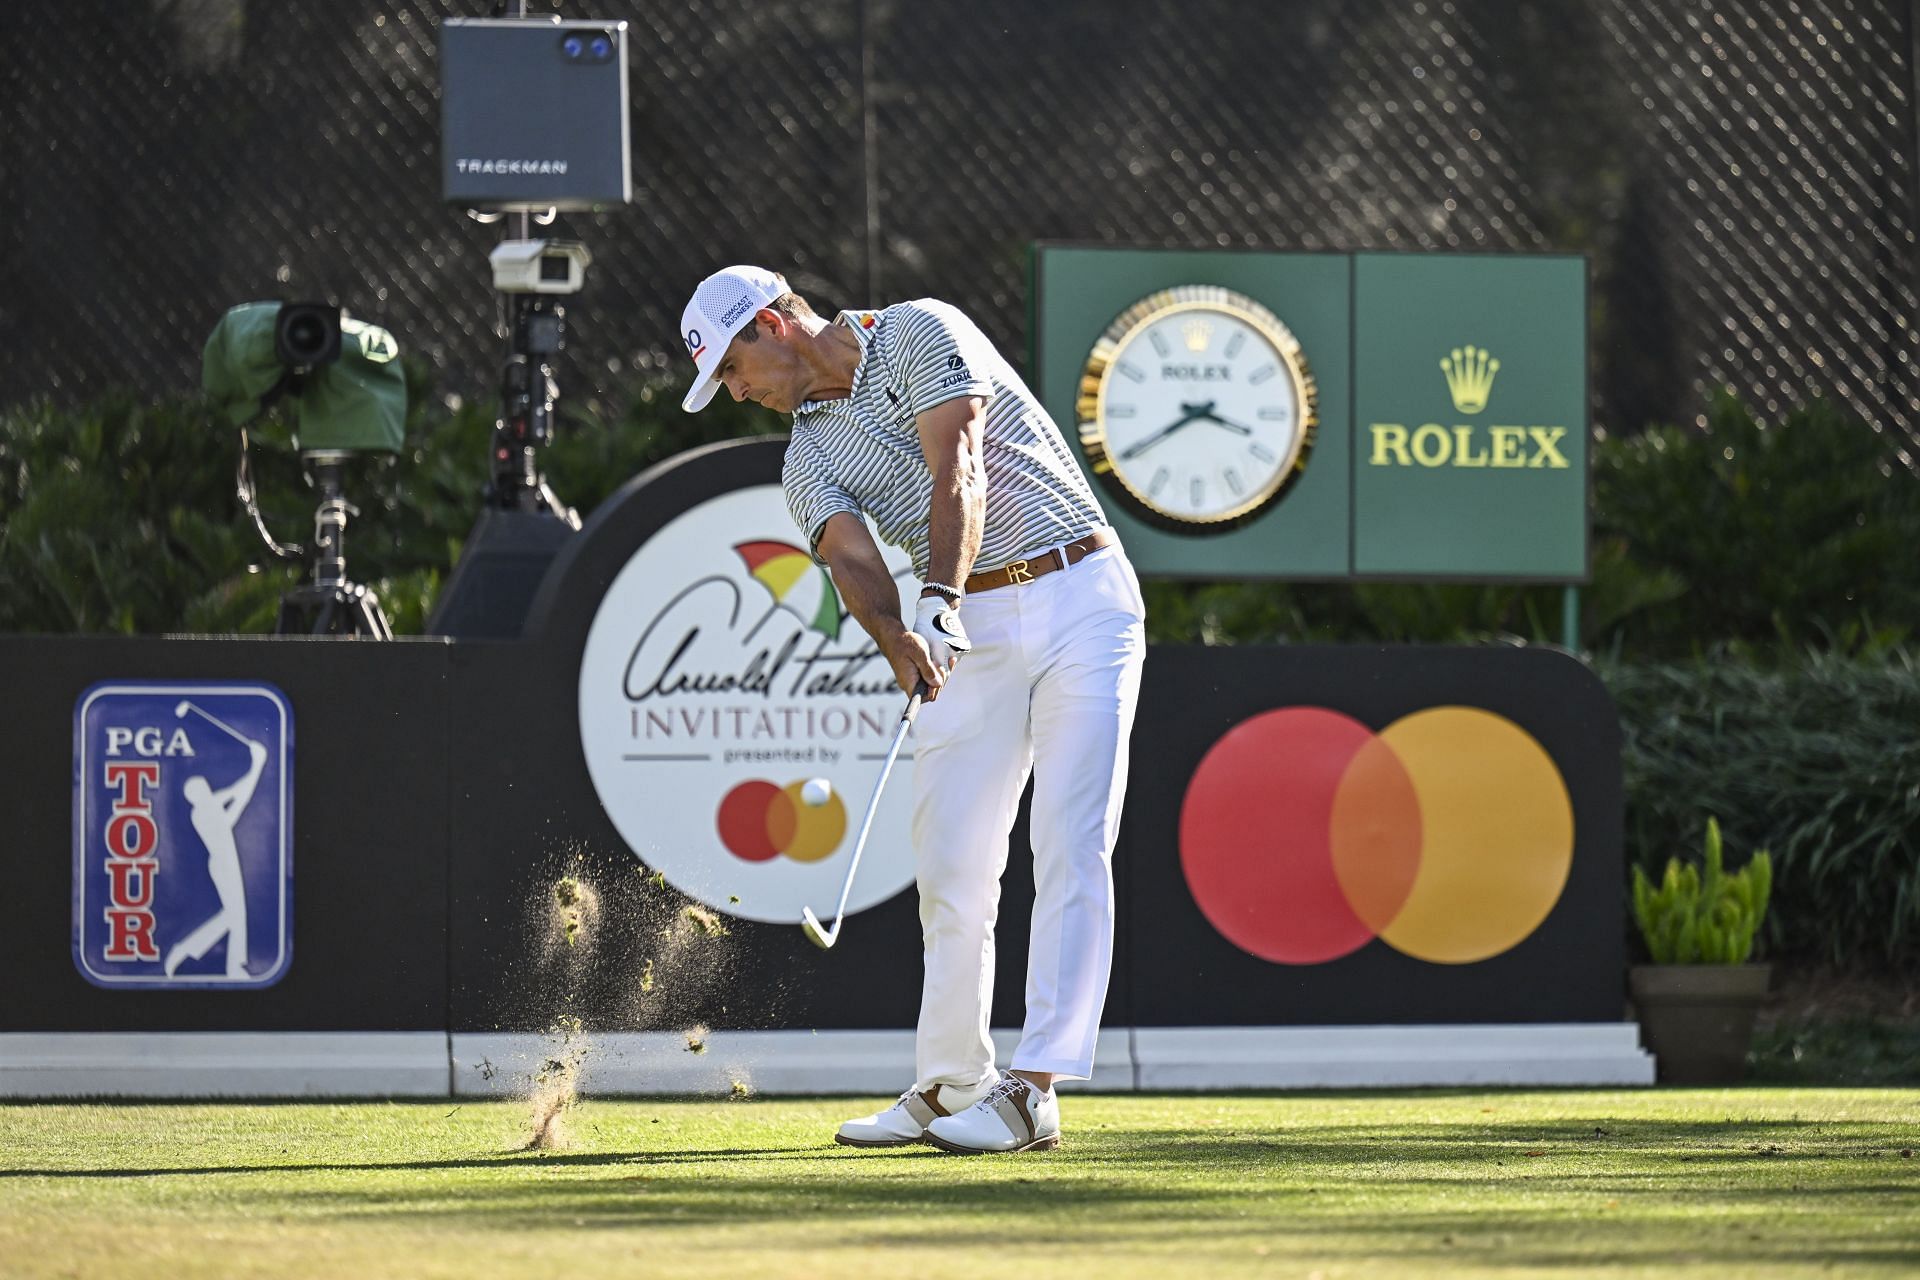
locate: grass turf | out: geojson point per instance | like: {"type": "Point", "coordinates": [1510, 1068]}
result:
{"type": "Point", "coordinates": [1747, 1182]}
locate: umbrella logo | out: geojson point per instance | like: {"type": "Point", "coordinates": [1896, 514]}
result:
{"type": "Point", "coordinates": [796, 584]}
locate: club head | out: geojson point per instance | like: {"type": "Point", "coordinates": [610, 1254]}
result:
{"type": "Point", "coordinates": [810, 925]}
{"type": "Point", "coordinates": [180, 711]}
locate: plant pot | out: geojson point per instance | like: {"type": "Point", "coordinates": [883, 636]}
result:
{"type": "Point", "coordinates": [1697, 1019]}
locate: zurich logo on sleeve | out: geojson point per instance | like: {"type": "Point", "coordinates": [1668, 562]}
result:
{"type": "Point", "coordinates": [183, 834]}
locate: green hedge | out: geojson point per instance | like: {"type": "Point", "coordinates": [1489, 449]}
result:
{"type": "Point", "coordinates": [1745, 538]}
{"type": "Point", "coordinates": [123, 517]}
{"type": "Point", "coordinates": [1820, 764]}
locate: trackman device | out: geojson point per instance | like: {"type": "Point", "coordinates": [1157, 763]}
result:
{"type": "Point", "coordinates": [533, 115]}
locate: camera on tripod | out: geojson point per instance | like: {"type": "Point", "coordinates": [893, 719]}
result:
{"type": "Point", "coordinates": [349, 396]}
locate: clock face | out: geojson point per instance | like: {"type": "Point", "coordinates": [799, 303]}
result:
{"type": "Point", "coordinates": [1197, 408]}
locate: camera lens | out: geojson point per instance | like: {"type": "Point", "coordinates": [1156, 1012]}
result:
{"type": "Point", "coordinates": [602, 47]}
{"type": "Point", "coordinates": [307, 334]}
{"type": "Point", "coordinates": [306, 337]}
{"type": "Point", "coordinates": [572, 46]}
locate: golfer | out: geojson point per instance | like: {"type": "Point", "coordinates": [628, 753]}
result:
{"type": "Point", "coordinates": [215, 814]}
{"type": "Point", "coordinates": [1029, 633]}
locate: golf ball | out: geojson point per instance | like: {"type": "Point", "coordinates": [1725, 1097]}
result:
{"type": "Point", "coordinates": [817, 791]}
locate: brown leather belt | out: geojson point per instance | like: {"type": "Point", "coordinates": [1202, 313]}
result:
{"type": "Point", "coordinates": [1028, 570]}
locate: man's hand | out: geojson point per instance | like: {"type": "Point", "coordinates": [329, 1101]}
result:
{"type": "Point", "coordinates": [928, 652]}
{"type": "Point", "coordinates": [913, 665]}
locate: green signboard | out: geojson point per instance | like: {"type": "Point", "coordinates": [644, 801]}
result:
{"type": "Point", "coordinates": [1324, 416]}
{"type": "Point", "coordinates": [1469, 416]}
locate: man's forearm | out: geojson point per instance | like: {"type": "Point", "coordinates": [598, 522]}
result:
{"type": "Point", "coordinates": [956, 515]}
{"type": "Point", "coordinates": [874, 598]}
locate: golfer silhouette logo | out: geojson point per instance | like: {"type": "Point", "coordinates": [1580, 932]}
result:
{"type": "Point", "coordinates": [214, 815]}
{"type": "Point", "coordinates": [183, 835]}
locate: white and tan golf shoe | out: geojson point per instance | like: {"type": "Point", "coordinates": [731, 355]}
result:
{"type": "Point", "coordinates": [906, 1121]}
{"type": "Point", "coordinates": [1013, 1116]}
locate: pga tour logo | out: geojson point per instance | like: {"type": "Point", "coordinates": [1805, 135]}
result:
{"type": "Point", "coordinates": [183, 835]}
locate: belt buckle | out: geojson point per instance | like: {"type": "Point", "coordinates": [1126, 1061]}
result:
{"type": "Point", "coordinates": [1017, 573]}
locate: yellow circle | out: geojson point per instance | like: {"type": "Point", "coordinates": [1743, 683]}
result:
{"type": "Point", "coordinates": [1496, 834]}
{"type": "Point", "coordinates": [817, 828]}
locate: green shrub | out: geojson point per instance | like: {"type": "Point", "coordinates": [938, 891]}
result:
{"type": "Point", "coordinates": [123, 517]}
{"type": "Point", "coordinates": [1760, 540]}
{"type": "Point", "coordinates": [596, 452]}
{"type": "Point", "coordinates": [1692, 918]}
{"type": "Point", "coordinates": [1820, 763]}
{"type": "Point", "coordinates": [1766, 539]}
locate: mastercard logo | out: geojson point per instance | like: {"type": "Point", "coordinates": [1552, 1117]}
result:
{"type": "Point", "coordinates": [759, 821]}
{"type": "Point", "coordinates": [1305, 835]}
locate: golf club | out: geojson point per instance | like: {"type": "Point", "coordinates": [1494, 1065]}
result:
{"type": "Point", "coordinates": [184, 707]}
{"type": "Point", "coordinates": [810, 923]}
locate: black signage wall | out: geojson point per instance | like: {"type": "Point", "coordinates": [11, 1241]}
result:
{"type": "Point", "coordinates": [369, 822]}
{"type": "Point", "coordinates": [1312, 835]}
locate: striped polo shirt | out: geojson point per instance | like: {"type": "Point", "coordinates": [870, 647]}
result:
{"type": "Point", "coordinates": [862, 454]}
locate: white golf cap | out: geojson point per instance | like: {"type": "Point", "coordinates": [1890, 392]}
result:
{"type": "Point", "coordinates": [724, 304]}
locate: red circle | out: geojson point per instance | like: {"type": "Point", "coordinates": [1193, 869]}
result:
{"type": "Point", "coordinates": [743, 820]}
{"type": "Point", "coordinates": [1255, 835]}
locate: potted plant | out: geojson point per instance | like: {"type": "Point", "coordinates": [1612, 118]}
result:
{"type": "Point", "coordinates": [1696, 1001]}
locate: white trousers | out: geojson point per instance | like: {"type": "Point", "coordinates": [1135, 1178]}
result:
{"type": "Point", "coordinates": [1049, 688]}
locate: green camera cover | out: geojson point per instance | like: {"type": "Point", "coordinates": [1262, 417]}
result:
{"type": "Point", "coordinates": [355, 405]}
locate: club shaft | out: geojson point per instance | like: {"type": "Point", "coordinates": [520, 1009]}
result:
{"type": "Point", "coordinates": [211, 719]}
{"type": "Point", "coordinates": [873, 805]}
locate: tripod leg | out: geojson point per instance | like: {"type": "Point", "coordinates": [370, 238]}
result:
{"type": "Point", "coordinates": [372, 623]}
{"type": "Point", "coordinates": [324, 621]}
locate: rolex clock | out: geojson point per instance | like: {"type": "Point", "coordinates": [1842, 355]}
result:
{"type": "Point", "coordinates": [1197, 409]}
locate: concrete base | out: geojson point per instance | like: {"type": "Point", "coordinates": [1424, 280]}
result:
{"type": "Point", "coordinates": [1167, 1058]}
{"type": "Point", "coordinates": [779, 1062]}
{"type": "Point", "coordinates": [433, 1064]}
{"type": "Point", "coordinates": [234, 1064]}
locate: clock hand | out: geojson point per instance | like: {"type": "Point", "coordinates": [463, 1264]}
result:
{"type": "Point", "coordinates": [1228, 423]}
{"type": "Point", "coordinates": [1138, 447]}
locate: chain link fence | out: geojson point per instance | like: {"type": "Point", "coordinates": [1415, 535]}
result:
{"type": "Point", "coordinates": [1742, 173]}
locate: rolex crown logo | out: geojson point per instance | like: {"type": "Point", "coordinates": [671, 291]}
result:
{"type": "Point", "coordinates": [1470, 374]}
{"type": "Point", "coordinates": [1197, 334]}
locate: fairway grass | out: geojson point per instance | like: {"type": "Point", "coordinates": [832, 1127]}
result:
{"type": "Point", "coordinates": [1746, 1182]}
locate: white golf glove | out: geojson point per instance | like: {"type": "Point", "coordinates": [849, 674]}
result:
{"type": "Point", "coordinates": [938, 623]}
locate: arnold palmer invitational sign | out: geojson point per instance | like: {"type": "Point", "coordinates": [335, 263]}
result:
{"type": "Point", "coordinates": [721, 674]}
